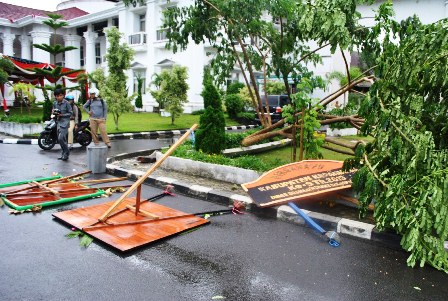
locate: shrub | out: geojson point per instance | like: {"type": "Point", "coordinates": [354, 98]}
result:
{"type": "Point", "coordinates": [234, 88]}
{"type": "Point", "coordinates": [210, 136]}
{"type": "Point", "coordinates": [245, 117]}
{"type": "Point", "coordinates": [248, 161]}
{"type": "Point", "coordinates": [234, 104]}
{"type": "Point", "coordinates": [21, 119]}
{"type": "Point", "coordinates": [198, 112]}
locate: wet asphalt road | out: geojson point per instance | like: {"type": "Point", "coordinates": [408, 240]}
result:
{"type": "Point", "coordinates": [236, 257]}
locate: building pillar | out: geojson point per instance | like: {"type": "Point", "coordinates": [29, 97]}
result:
{"type": "Point", "coordinates": [41, 37]}
{"type": "Point", "coordinates": [25, 42]}
{"type": "Point", "coordinates": [72, 57]}
{"type": "Point", "coordinates": [90, 37]}
{"type": "Point", "coordinates": [8, 42]}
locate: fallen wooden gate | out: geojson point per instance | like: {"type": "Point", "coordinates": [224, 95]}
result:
{"type": "Point", "coordinates": [129, 223]}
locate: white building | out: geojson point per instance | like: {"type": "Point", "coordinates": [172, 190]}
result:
{"type": "Point", "coordinates": [20, 27]}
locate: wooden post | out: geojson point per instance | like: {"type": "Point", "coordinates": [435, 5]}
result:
{"type": "Point", "coordinates": [137, 199]}
{"type": "Point", "coordinates": [139, 182]}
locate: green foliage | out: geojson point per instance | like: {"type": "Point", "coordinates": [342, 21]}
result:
{"type": "Point", "coordinates": [138, 100]}
{"type": "Point", "coordinates": [21, 118]}
{"type": "Point", "coordinates": [234, 88]}
{"type": "Point", "coordinates": [351, 108]}
{"type": "Point", "coordinates": [54, 49]}
{"type": "Point", "coordinates": [6, 67]}
{"type": "Point", "coordinates": [245, 117]}
{"type": "Point", "coordinates": [171, 90]}
{"type": "Point", "coordinates": [210, 135]}
{"type": "Point", "coordinates": [247, 162]}
{"type": "Point", "coordinates": [234, 104]}
{"type": "Point", "coordinates": [113, 86]}
{"type": "Point", "coordinates": [279, 50]}
{"type": "Point", "coordinates": [275, 88]}
{"type": "Point", "coordinates": [310, 122]}
{"type": "Point", "coordinates": [198, 112]}
{"type": "Point", "coordinates": [245, 97]}
{"type": "Point", "coordinates": [84, 239]}
{"type": "Point", "coordinates": [355, 72]}
{"type": "Point", "coordinates": [404, 170]}
{"type": "Point", "coordinates": [210, 93]}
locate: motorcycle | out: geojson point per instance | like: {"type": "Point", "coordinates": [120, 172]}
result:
{"type": "Point", "coordinates": [49, 136]}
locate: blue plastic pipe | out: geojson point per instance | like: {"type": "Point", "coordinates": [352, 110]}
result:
{"type": "Point", "coordinates": [307, 219]}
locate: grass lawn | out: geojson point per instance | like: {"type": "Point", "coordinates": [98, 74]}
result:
{"type": "Point", "coordinates": [144, 122]}
{"type": "Point", "coordinates": [136, 122]}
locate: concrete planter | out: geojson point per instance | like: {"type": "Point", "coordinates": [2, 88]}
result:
{"type": "Point", "coordinates": [207, 170]}
{"type": "Point", "coordinates": [342, 132]}
{"type": "Point", "coordinates": [20, 129]}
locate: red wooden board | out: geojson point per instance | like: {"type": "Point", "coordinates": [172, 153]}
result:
{"type": "Point", "coordinates": [297, 181]}
{"type": "Point", "coordinates": [128, 237]}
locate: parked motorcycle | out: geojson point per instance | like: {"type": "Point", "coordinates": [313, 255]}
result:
{"type": "Point", "coordinates": [49, 136]}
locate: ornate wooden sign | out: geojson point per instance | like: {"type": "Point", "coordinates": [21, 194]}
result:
{"type": "Point", "coordinates": [297, 181]}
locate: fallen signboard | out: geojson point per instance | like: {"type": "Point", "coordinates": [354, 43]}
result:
{"type": "Point", "coordinates": [297, 181]}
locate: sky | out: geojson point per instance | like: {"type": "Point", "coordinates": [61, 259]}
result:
{"type": "Point", "coordinates": [49, 5]}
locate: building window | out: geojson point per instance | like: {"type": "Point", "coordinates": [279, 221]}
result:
{"type": "Point", "coordinates": [161, 34]}
{"type": "Point", "coordinates": [97, 53]}
{"type": "Point", "coordinates": [142, 23]}
{"type": "Point", "coordinates": [137, 39]}
{"type": "Point", "coordinates": [115, 22]}
{"type": "Point", "coordinates": [81, 55]}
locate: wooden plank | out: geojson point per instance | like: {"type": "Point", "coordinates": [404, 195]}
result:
{"type": "Point", "coordinates": [147, 174]}
{"type": "Point", "coordinates": [128, 237]}
{"type": "Point", "coordinates": [95, 181]}
{"type": "Point", "coordinates": [53, 191]}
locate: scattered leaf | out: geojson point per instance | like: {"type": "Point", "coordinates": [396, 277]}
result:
{"type": "Point", "coordinates": [417, 288]}
{"type": "Point", "coordinates": [1, 202]}
{"type": "Point", "coordinates": [74, 234]}
{"type": "Point", "coordinates": [218, 297]}
{"type": "Point", "coordinates": [85, 241]}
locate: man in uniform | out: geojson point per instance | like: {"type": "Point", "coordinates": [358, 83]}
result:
{"type": "Point", "coordinates": [63, 112]}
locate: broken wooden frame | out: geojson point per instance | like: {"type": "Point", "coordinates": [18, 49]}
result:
{"type": "Point", "coordinates": [44, 192]}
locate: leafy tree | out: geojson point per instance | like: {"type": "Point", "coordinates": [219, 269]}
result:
{"type": "Point", "coordinates": [113, 86]}
{"type": "Point", "coordinates": [6, 67]}
{"type": "Point", "coordinates": [171, 90]}
{"type": "Point", "coordinates": [210, 136]}
{"type": "Point", "coordinates": [309, 122]}
{"type": "Point", "coordinates": [138, 100]}
{"type": "Point", "coordinates": [243, 36]}
{"type": "Point", "coordinates": [24, 90]}
{"type": "Point", "coordinates": [275, 88]}
{"type": "Point", "coordinates": [404, 170]}
{"type": "Point", "coordinates": [54, 49]}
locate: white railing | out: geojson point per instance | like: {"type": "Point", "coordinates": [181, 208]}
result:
{"type": "Point", "coordinates": [137, 38]}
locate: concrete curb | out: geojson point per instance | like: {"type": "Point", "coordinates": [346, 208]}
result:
{"type": "Point", "coordinates": [343, 226]}
{"type": "Point", "coordinates": [136, 135]}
